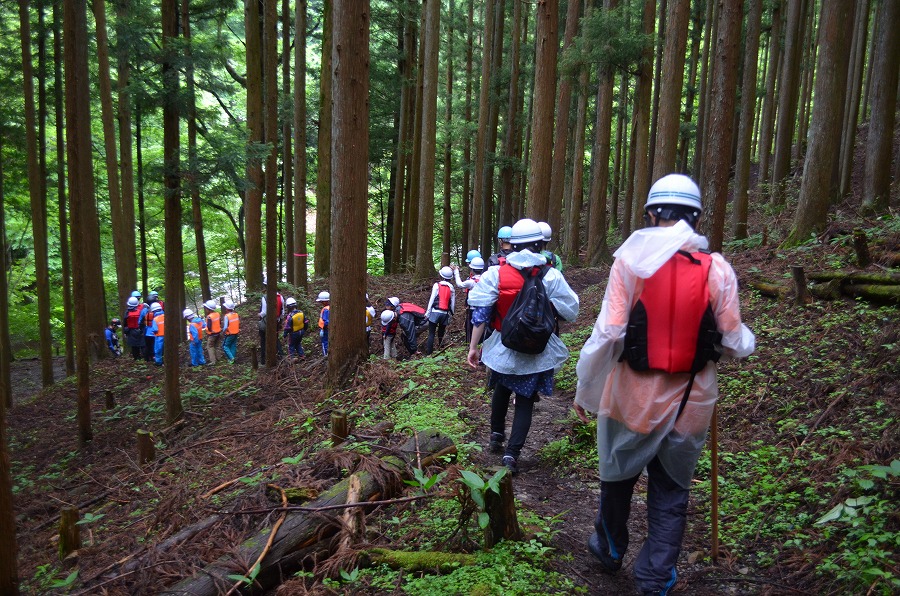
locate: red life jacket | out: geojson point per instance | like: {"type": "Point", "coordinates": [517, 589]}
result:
{"type": "Point", "coordinates": [672, 327]}
{"type": "Point", "coordinates": [279, 305]}
{"type": "Point", "coordinates": [442, 301]}
{"type": "Point", "coordinates": [149, 317]}
{"type": "Point", "coordinates": [510, 282]}
{"type": "Point", "coordinates": [133, 318]}
{"type": "Point", "coordinates": [410, 307]}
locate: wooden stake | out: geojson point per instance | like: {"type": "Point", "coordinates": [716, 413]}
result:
{"type": "Point", "coordinates": [69, 532]}
{"type": "Point", "coordinates": [861, 244]}
{"type": "Point", "coordinates": [145, 447]}
{"type": "Point", "coordinates": [801, 293]}
{"type": "Point", "coordinates": [110, 400]}
{"type": "Point", "coordinates": [339, 429]}
{"type": "Point", "coordinates": [714, 481]}
{"type": "Point", "coordinates": [504, 523]}
{"type": "Point", "coordinates": [254, 358]}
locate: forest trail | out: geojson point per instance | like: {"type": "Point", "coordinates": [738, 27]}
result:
{"type": "Point", "coordinates": [25, 376]}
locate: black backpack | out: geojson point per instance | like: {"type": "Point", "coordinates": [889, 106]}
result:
{"type": "Point", "coordinates": [531, 318]}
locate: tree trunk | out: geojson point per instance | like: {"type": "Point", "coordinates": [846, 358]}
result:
{"type": "Point", "coordinates": [321, 258]}
{"type": "Point", "coordinates": [572, 235]}
{"type": "Point", "coordinates": [708, 27]}
{"type": "Point", "coordinates": [640, 132]}
{"type": "Point", "coordinates": [270, 100]}
{"type": "Point", "coordinates": [807, 68]}
{"type": "Point", "coordinates": [467, 239]}
{"type": "Point", "coordinates": [193, 175]}
{"type": "Point", "coordinates": [854, 90]}
{"type": "Point", "coordinates": [696, 35]}
{"type": "Point", "coordinates": [253, 271]}
{"type": "Point", "coordinates": [669, 112]}
{"type": "Point", "coordinates": [885, 59]}
{"type": "Point", "coordinates": [787, 102]}
{"type": "Point", "coordinates": [287, 184]}
{"type": "Point", "coordinates": [126, 163]}
{"type": "Point", "coordinates": [657, 71]}
{"type": "Point", "coordinates": [767, 120]}
{"type": "Point", "coordinates": [487, 202]}
{"type": "Point", "coordinates": [85, 262]}
{"type": "Point", "coordinates": [9, 579]}
{"type": "Point", "coordinates": [507, 170]}
{"type": "Point", "coordinates": [36, 190]}
{"type": "Point", "coordinates": [448, 143]}
{"type": "Point", "coordinates": [483, 120]}
{"type": "Point", "coordinates": [717, 161]}
{"type": "Point", "coordinates": [142, 220]}
{"type": "Point", "coordinates": [431, 40]}
{"type": "Point", "coordinates": [546, 46]}
{"type": "Point", "coordinates": [300, 273]}
{"type": "Point", "coordinates": [404, 68]}
{"type": "Point", "coordinates": [5, 344]}
{"type": "Point", "coordinates": [174, 331]}
{"type": "Point", "coordinates": [745, 132]}
{"type": "Point", "coordinates": [835, 33]}
{"type": "Point", "coordinates": [621, 158]}
{"type": "Point", "coordinates": [350, 52]}
{"type": "Point", "coordinates": [411, 233]}
{"type": "Point", "coordinates": [561, 132]}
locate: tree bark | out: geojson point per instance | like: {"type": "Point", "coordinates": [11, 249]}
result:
{"type": "Point", "coordinates": [270, 97]}
{"type": "Point", "coordinates": [300, 273]}
{"type": "Point", "coordinates": [767, 120]}
{"type": "Point", "coordinates": [404, 68]}
{"type": "Point", "coordinates": [9, 579]}
{"type": "Point", "coordinates": [709, 28]}
{"type": "Point", "coordinates": [411, 231]}
{"type": "Point", "coordinates": [816, 190]}
{"type": "Point", "coordinates": [431, 40]}
{"type": "Point", "coordinates": [483, 120]}
{"type": "Point", "coordinates": [669, 112]}
{"type": "Point", "coordinates": [487, 197]}
{"type": "Point", "coordinates": [513, 129]}
{"type": "Point", "coordinates": [36, 191]}
{"type": "Point", "coordinates": [787, 102]}
{"type": "Point", "coordinates": [696, 35]}
{"type": "Point", "coordinates": [126, 163]}
{"type": "Point", "coordinates": [467, 239]}
{"type": "Point", "coordinates": [5, 344]}
{"type": "Point", "coordinates": [657, 73]}
{"type": "Point", "coordinates": [542, 117]}
{"type": "Point", "coordinates": [448, 143]}
{"type": "Point", "coordinates": [349, 184]}
{"type": "Point", "coordinates": [572, 235]}
{"type": "Point", "coordinates": [885, 59]}
{"type": "Point", "coordinates": [854, 90]}
{"type": "Point", "coordinates": [253, 269]}
{"type": "Point", "coordinates": [321, 258]}
{"type": "Point", "coordinates": [717, 160]}
{"type": "Point", "coordinates": [174, 330]}
{"type": "Point", "coordinates": [286, 135]}
{"type": "Point", "coordinates": [807, 68]}
{"type": "Point", "coordinates": [640, 132]}
{"type": "Point", "coordinates": [745, 132]}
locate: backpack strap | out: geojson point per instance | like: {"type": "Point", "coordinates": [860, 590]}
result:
{"type": "Point", "coordinates": [687, 394]}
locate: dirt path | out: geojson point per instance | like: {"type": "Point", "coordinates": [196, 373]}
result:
{"type": "Point", "coordinates": [25, 376]}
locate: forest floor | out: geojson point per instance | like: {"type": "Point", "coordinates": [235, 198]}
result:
{"type": "Point", "coordinates": [798, 421]}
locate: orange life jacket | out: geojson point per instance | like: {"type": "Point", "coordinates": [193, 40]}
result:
{"type": "Point", "coordinates": [232, 323]}
{"type": "Point", "coordinates": [149, 320]}
{"type": "Point", "coordinates": [322, 316]}
{"type": "Point", "coordinates": [198, 325]}
{"type": "Point", "coordinates": [510, 282]}
{"type": "Point", "coordinates": [160, 324]}
{"type": "Point", "coordinates": [214, 323]}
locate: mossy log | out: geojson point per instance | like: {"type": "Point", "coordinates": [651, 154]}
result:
{"type": "Point", "coordinates": [830, 290]}
{"type": "Point", "coordinates": [304, 529]}
{"type": "Point", "coordinates": [856, 277]}
{"type": "Point", "coordinates": [874, 293]}
{"type": "Point", "coordinates": [296, 495]}
{"type": "Point", "coordinates": [418, 561]}
{"type": "Point", "coordinates": [770, 289]}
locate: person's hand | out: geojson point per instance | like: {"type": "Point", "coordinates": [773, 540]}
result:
{"type": "Point", "coordinates": [474, 357]}
{"type": "Point", "coordinates": [582, 415]}
{"type": "Point", "coordinates": [454, 266]}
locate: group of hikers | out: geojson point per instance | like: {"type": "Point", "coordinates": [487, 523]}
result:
{"type": "Point", "coordinates": [647, 372]}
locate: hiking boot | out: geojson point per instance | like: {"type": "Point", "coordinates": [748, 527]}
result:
{"type": "Point", "coordinates": [496, 444]}
{"type": "Point", "coordinates": [609, 564]}
{"type": "Point", "coordinates": [510, 463]}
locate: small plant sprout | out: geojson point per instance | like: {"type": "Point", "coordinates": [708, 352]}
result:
{"type": "Point", "coordinates": [294, 460]}
{"type": "Point", "coordinates": [246, 579]}
{"type": "Point", "coordinates": [89, 518]}
{"type": "Point", "coordinates": [424, 482]}
{"type": "Point", "coordinates": [478, 486]}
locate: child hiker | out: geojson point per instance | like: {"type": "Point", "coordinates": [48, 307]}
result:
{"type": "Point", "coordinates": [231, 327]}
{"type": "Point", "coordinates": [195, 337]}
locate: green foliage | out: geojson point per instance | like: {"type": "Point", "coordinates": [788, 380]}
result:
{"type": "Point", "coordinates": [423, 482]}
{"type": "Point", "coordinates": [478, 487]}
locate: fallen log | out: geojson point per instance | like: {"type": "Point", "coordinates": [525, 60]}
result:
{"type": "Point", "coordinates": [874, 293]}
{"type": "Point", "coordinates": [860, 277]}
{"type": "Point", "coordinates": [772, 290]}
{"type": "Point", "coordinates": [415, 561]}
{"type": "Point", "coordinates": [301, 530]}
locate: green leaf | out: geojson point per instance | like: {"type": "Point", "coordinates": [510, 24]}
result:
{"type": "Point", "coordinates": [866, 484]}
{"type": "Point", "coordinates": [895, 467]}
{"type": "Point", "coordinates": [240, 578]}
{"type": "Point", "coordinates": [478, 497]}
{"type": "Point", "coordinates": [472, 480]}
{"type": "Point", "coordinates": [483, 520]}
{"type": "Point", "coordinates": [835, 514]}
{"type": "Point", "coordinates": [859, 501]}
{"type": "Point", "coordinates": [65, 583]}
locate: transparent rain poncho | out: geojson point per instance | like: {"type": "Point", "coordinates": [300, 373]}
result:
{"type": "Point", "coordinates": [636, 411]}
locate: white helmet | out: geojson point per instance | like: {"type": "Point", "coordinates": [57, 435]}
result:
{"type": "Point", "coordinates": [290, 302]}
{"type": "Point", "coordinates": [323, 297]}
{"type": "Point", "coordinates": [387, 316]}
{"type": "Point", "coordinates": [229, 305]}
{"type": "Point", "coordinates": [188, 313]}
{"type": "Point", "coordinates": [446, 272]}
{"type": "Point", "coordinates": [393, 301]}
{"type": "Point", "coordinates": [546, 230]}
{"type": "Point", "coordinates": [210, 304]}
{"type": "Point", "coordinates": [477, 263]}
{"type": "Point", "coordinates": [674, 189]}
{"type": "Point", "coordinates": [132, 301]}
{"type": "Point", "coordinates": [526, 231]}
{"type": "Point", "coordinates": [155, 307]}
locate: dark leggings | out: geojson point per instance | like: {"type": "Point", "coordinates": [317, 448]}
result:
{"type": "Point", "coordinates": [524, 409]}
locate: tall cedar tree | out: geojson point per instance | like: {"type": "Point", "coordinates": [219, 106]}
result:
{"type": "Point", "coordinates": [513, 128]}
{"type": "Point", "coordinates": [748, 101]}
{"type": "Point", "coordinates": [572, 235]}
{"type": "Point", "coordinates": [817, 188]}
{"type": "Point", "coordinates": [300, 274]}
{"type": "Point", "coordinates": [85, 262]}
{"type": "Point", "coordinates": [483, 119]}
{"type": "Point", "coordinates": [193, 174]}
{"type": "Point", "coordinates": [561, 132]}
{"type": "Point", "coordinates": [126, 163]}
{"type": "Point", "coordinates": [708, 40]}
{"type": "Point", "coordinates": [270, 68]}
{"type": "Point", "coordinates": [669, 110]}
{"type": "Point", "coordinates": [288, 174]}
{"type": "Point", "coordinates": [9, 579]}
{"type": "Point", "coordinates": [640, 133]}
{"type": "Point", "coordinates": [851, 112]}
{"type": "Point", "coordinates": [717, 161]}
{"type": "Point", "coordinates": [38, 200]}
{"type": "Point", "coordinates": [877, 181]}
{"type": "Point", "coordinates": [255, 124]}
{"type": "Point", "coordinates": [349, 184]}
{"type": "Point", "coordinates": [322, 258]}
{"type": "Point", "coordinates": [125, 281]}
{"type": "Point", "coordinates": [64, 254]}
{"type": "Point", "coordinates": [539, 167]}
{"type": "Point", "coordinates": [767, 119]}
{"type": "Point", "coordinates": [174, 330]}
{"type": "Point", "coordinates": [411, 227]}
{"type": "Point", "coordinates": [467, 241]}
{"type": "Point", "coordinates": [404, 71]}
{"type": "Point", "coordinates": [487, 197]}
{"type": "Point", "coordinates": [788, 91]}
{"type": "Point", "coordinates": [448, 141]}
{"type": "Point", "coordinates": [431, 39]}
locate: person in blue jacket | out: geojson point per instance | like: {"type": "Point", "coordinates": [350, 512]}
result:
{"type": "Point", "coordinates": [195, 337]}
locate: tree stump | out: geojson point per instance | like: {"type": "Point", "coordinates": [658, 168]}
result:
{"type": "Point", "coordinates": [801, 295]}
{"type": "Point", "coordinates": [145, 447]}
{"type": "Point", "coordinates": [861, 244]}
{"type": "Point", "coordinates": [69, 532]}
{"type": "Point", "coordinates": [254, 358]}
{"type": "Point", "coordinates": [339, 430]}
{"type": "Point", "coordinates": [504, 524]}
{"type": "Point", "coordinates": [110, 400]}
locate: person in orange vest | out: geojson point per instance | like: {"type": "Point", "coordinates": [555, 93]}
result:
{"type": "Point", "coordinates": [213, 329]}
{"type": "Point", "coordinates": [642, 368]}
{"type": "Point", "coordinates": [441, 306]}
{"type": "Point", "coordinates": [157, 330]}
{"type": "Point", "coordinates": [324, 315]}
{"type": "Point", "coordinates": [195, 337]}
{"type": "Point", "coordinates": [231, 328]}
{"type": "Point", "coordinates": [294, 328]}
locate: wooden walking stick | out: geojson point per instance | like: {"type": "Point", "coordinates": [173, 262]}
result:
{"type": "Point", "coordinates": [714, 481]}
